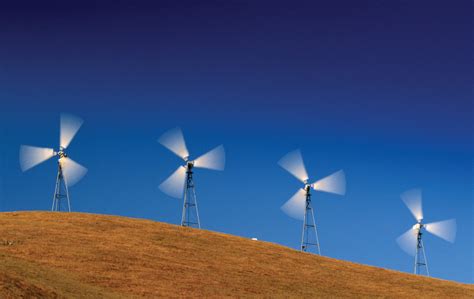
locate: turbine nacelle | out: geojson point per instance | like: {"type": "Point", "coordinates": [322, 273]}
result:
{"type": "Point", "coordinates": [417, 227]}
{"type": "Point", "coordinates": [189, 165]}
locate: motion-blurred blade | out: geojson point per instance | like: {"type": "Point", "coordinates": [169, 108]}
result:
{"type": "Point", "coordinates": [174, 141]}
{"type": "Point", "coordinates": [412, 199]}
{"type": "Point", "coordinates": [69, 126]}
{"type": "Point", "coordinates": [72, 171]}
{"type": "Point", "coordinates": [214, 159]}
{"type": "Point", "coordinates": [174, 184]}
{"type": "Point", "coordinates": [334, 183]}
{"type": "Point", "coordinates": [30, 156]}
{"type": "Point", "coordinates": [296, 205]}
{"type": "Point", "coordinates": [444, 229]}
{"type": "Point", "coordinates": [293, 163]}
{"type": "Point", "coordinates": [408, 241]}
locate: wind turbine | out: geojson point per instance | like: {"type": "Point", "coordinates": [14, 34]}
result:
{"type": "Point", "coordinates": [299, 205]}
{"type": "Point", "coordinates": [411, 241]}
{"type": "Point", "coordinates": [181, 181]}
{"type": "Point", "coordinates": [69, 171]}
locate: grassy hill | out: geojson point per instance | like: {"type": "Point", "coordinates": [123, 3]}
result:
{"type": "Point", "coordinates": [46, 254]}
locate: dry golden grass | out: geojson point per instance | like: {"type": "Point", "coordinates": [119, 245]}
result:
{"type": "Point", "coordinates": [45, 254]}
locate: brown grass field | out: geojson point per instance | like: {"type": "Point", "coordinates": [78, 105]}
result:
{"type": "Point", "coordinates": [44, 254]}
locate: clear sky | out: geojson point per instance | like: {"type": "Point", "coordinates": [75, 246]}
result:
{"type": "Point", "coordinates": [381, 89]}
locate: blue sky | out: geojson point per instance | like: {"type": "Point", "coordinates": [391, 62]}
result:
{"type": "Point", "coordinates": [382, 90]}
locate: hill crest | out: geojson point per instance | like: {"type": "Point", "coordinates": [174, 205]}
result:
{"type": "Point", "coordinates": [64, 254]}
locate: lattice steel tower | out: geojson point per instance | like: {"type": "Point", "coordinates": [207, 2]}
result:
{"type": "Point", "coordinates": [420, 256]}
{"type": "Point", "coordinates": [190, 215]}
{"type": "Point", "coordinates": [61, 192]}
{"type": "Point", "coordinates": [309, 238]}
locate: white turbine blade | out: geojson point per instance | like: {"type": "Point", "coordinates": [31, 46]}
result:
{"type": "Point", "coordinates": [213, 159]}
{"type": "Point", "coordinates": [412, 199]}
{"type": "Point", "coordinates": [174, 141]}
{"type": "Point", "coordinates": [69, 126]}
{"type": "Point", "coordinates": [296, 205]}
{"type": "Point", "coordinates": [174, 184]}
{"type": "Point", "coordinates": [444, 229]}
{"type": "Point", "coordinates": [334, 183]}
{"type": "Point", "coordinates": [30, 156]}
{"type": "Point", "coordinates": [293, 163]}
{"type": "Point", "coordinates": [72, 171]}
{"type": "Point", "coordinates": [408, 241]}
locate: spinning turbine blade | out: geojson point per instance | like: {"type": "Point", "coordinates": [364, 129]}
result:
{"type": "Point", "coordinates": [408, 241]}
{"type": "Point", "coordinates": [334, 183]}
{"type": "Point", "coordinates": [174, 141]}
{"type": "Point", "coordinates": [69, 126]}
{"type": "Point", "coordinates": [72, 171]}
{"type": "Point", "coordinates": [296, 205]}
{"type": "Point", "coordinates": [412, 199]}
{"type": "Point", "coordinates": [214, 159]}
{"type": "Point", "coordinates": [446, 229]}
{"type": "Point", "coordinates": [174, 184]}
{"type": "Point", "coordinates": [293, 163]}
{"type": "Point", "coordinates": [30, 156]}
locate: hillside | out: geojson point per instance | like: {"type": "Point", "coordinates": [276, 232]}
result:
{"type": "Point", "coordinates": [45, 254]}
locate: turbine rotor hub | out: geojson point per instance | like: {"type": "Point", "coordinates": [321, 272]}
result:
{"type": "Point", "coordinates": [62, 153]}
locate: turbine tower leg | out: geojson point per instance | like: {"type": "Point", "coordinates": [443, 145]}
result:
{"type": "Point", "coordinates": [420, 257]}
{"type": "Point", "coordinates": [309, 238]}
{"type": "Point", "coordinates": [190, 215]}
{"type": "Point", "coordinates": [61, 193]}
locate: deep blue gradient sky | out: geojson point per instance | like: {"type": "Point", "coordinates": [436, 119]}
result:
{"type": "Point", "coordinates": [381, 89]}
